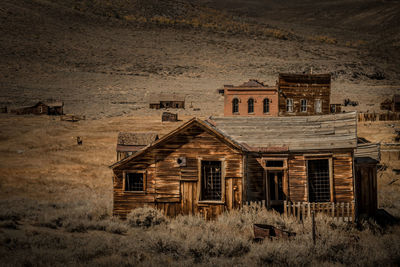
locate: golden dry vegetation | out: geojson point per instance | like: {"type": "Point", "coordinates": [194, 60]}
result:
{"type": "Point", "coordinates": [56, 201]}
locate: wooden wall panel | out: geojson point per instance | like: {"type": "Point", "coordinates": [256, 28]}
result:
{"type": "Point", "coordinates": [343, 177]}
{"type": "Point", "coordinates": [255, 182]}
{"type": "Point", "coordinates": [297, 178]}
{"type": "Point", "coordinates": [170, 184]}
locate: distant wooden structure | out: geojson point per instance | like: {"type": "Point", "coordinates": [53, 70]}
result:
{"type": "Point", "coordinates": [387, 116]}
{"type": "Point", "coordinates": [366, 159]}
{"type": "Point", "coordinates": [163, 100]}
{"type": "Point", "coordinates": [130, 143]}
{"type": "Point", "coordinates": [207, 167]}
{"type": "Point", "coordinates": [168, 116]}
{"type": "Point", "coordinates": [396, 103]}
{"type": "Point", "coordinates": [42, 108]}
{"type": "Point", "coordinates": [72, 117]}
{"type": "Point", "coordinates": [304, 94]}
{"type": "Point", "coordinates": [335, 108]}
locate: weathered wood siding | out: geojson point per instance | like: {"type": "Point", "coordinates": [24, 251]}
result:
{"type": "Point", "coordinates": [173, 188]}
{"type": "Point", "coordinates": [255, 179]}
{"type": "Point", "coordinates": [343, 177]}
{"type": "Point", "coordinates": [298, 88]}
{"type": "Point", "coordinates": [366, 185]}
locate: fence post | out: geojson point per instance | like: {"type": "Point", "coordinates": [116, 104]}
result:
{"type": "Point", "coordinates": [284, 208]}
{"type": "Point", "coordinates": [313, 226]}
{"type": "Point", "coordinates": [333, 210]}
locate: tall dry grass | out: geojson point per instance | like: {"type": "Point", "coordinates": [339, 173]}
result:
{"type": "Point", "coordinates": [56, 201]}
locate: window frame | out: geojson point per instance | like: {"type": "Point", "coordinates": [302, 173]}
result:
{"type": "Point", "coordinates": [303, 106]}
{"type": "Point", "coordinates": [266, 103]}
{"type": "Point", "coordinates": [331, 182]}
{"type": "Point", "coordinates": [289, 100]}
{"type": "Point", "coordinates": [124, 174]}
{"type": "Point", "coordinates": [235, 106]}
{"type": "Point", "coordinates": [250, 100]}
{"type": "Point", "coordinates": [199, 184]}
{"type": "Point", "coordinates": [315, 107]}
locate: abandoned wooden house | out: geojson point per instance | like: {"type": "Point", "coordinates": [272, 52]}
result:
{"type": "Point", "coordinates": [304, 94]}
{"type": "Point", "coordinates": [206, 167]}
{"type": "Point", "coordinates": [251, 98]}
{"type": "Point", "coordinates": [168, 116]}
{"type": "Point", "coordinates": [129, 143]}
{"type": "Point", "coordinates": [158, 101]}
{"type": "Point", "coordinates": [42, 108]}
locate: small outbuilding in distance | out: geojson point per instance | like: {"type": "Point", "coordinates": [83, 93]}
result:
{"type": "Point", "coordinates": [163, 100]}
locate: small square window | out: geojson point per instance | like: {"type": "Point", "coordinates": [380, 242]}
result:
{"type": "Point", "coordinates": [289, 105]}
{"type": "Point", "coordinates": [134, 181]}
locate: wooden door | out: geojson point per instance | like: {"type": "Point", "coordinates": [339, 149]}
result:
{"type": "Point", "coordinates": [275, 190]}
{"type": "Point", "coordinates": [189, 197]}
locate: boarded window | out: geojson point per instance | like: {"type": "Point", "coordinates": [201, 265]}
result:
{"type": "Point", "coordinates": [318, 180]}
{"type": "Point", "coordinates": [318, 105]}
{"type": "Point", "coordinates": [266, 105]}
{"type": "Point", "coordinates": [235, 105]}
{"type": "Point", "coordinates": [289, 105]}
{"type": "Point", "coordinates": [303, 105]}
{"type": "Point", "coordinates": [134, 181]}
{"type": "Point", "coordinates": [250, 104]}
{"type": "Point", "coordinates": [211, 180]}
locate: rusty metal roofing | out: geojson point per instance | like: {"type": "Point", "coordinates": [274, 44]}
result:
{"type": "Point", "coordinates": [296, 133]}
{"type": "Point", "coordinates": [136, 139]}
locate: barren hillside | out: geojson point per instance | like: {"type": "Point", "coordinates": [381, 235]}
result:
{"type": "Point", "coordinates": [105, 59]}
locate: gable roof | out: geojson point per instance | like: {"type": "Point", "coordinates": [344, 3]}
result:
{"type": "Point", "coordinates": [194, 121]}
{"type": "Point", "coordinates": [298, 133]}
{"type": "Point", "coordinates": [136, 139]}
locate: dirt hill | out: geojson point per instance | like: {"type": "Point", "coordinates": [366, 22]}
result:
{"type": "Point", "coordinates": [105, 58]}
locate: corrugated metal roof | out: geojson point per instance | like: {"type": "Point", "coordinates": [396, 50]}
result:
{"type": "Point", "coordinates": [136, 139]}
{"type": "Point", "coordinates": [296, 133]}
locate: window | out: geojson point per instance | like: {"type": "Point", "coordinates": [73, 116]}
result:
{"type": "Point", "coordinates": [318, 180]}
{"type": "Point", "coordinates": [289, 105]}
{"type": "Point", "coordinates": [333, 108]}
{"type": "Point", "coordinates": [177, 105]}
{"type": "Point", "coordinates": [274, 163]}
{"type": "Point", "coordinates": [318, 106]}
{"type": "Point", "coordinates": [134, 181]}
{"type": "Point", "coordinates": [211, 180]}
{"type": "Point", "coordinates": [303, 105]}
{"type": "Point", "coordinates": [250, 104]}
{"type": "Point", "coordinates": [266, 105]}
{"type": "Point", "coordinates": [235, 105]}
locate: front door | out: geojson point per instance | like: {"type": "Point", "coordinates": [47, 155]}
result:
{"type": "Point", "coordinates": [274, 190]}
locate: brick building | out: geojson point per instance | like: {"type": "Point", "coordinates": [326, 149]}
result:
{"type": "Point", "coordinates": [252, 98]}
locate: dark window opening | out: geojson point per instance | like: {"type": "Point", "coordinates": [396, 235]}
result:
{"type": "Point", "coordinates": [303, 105]}
{"type": "Point", "coordinates": [266, 105]}
{"type": "Point", "coordinates": [250, 104]}
{"type": "Point", "coordinates": [211, 180]}
{"type": "Point", "coordinates": [177, 105]}
{"type": "Point", "coordinates": [235, 105]}
{"type": "Point", "coordinates": [134, 182]}
{"type": "Point", "coordinates": [276, 185]}
{"type": "Point", "coordinates": [318, 178]}
{"type": "Point", "coordinates": [274, 163]}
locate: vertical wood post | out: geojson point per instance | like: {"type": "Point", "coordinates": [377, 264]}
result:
{"type": "Point", "coordinates": [284, 208]}
{"type": "Point", "coordinates": [343, 211]}
{"type": "Point", "coordinates": [333, 210]}
{"type": "Point", "coordinates": [313, 226]}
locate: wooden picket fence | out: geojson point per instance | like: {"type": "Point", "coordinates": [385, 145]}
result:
{"type": "Point", "coordinates": [260, 203]}
{"type": "Point", "coordinates": [387, 116]}
{"type": "Point", "coordinates": [301, 210]}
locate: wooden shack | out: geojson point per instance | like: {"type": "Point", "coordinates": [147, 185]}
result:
{"type": "Point", "coordinates": [164, 100]}
{"type": "Point", "coordinates": [396, 103]}
{"type": "Point", "coordinates": [304, 94]}
{"type": "Point", "coordinates": [168, 116]}
{"type": "Point", "coordinates": [42, 108]}
{"type": "Point", "coordinates": [206, 167]}
{"type": "Point", "coordinates": [129, 143]}
{"type": "Point", "coordinates": [366, 159]}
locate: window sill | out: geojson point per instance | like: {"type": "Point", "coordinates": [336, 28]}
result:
{"type": "Point", "coordinates": [135, 192]}
{"type": "Point", "coordinates": [215, 202]}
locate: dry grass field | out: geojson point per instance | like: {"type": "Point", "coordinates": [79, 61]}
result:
{"type": "Point", "coordinates": [105, 58]}
{"type": "Point", "coordinates": [56, 201]}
